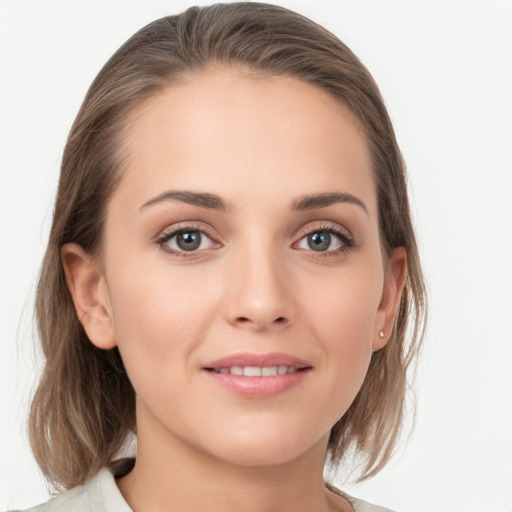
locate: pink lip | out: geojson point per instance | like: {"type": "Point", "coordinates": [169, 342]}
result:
{"type": "Point", "coordinates": [258, 387]}
{"type": "Point", "coordinates": [248, 359]}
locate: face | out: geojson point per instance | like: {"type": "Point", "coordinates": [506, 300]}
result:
{"type": "Point", "coordinates": [241, 275]}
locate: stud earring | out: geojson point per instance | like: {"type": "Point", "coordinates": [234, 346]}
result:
{"type": "Point", "coordinates": [381, 334]}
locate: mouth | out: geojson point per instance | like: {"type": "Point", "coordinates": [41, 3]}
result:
{"type": "Point", "coordinates": [258, 376]}
{"type": "Point", "coordinates": [258, 371]}
{"type": "Point", "coordinates": [258, 365]}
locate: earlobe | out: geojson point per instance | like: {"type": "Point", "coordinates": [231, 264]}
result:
{"type": "Point", "coordinates": [394, 283]}
{"type": "Point", "coordinates": [89, 292]}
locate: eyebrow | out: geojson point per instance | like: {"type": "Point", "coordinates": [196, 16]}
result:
{"type": "Point", "coordinates": [214, 202]}
{"type": "Point", "coordinates": [203, 200]}
{"type": "Point", "coordinates": [312, 202]}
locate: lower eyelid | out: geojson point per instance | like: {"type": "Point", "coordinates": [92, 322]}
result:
{"type": "Point", "coordinates": [167, 235]}
{"type": "Point", "coordinates": [342, 240]}
{"type": "Point", "coordinates": [181, 231]}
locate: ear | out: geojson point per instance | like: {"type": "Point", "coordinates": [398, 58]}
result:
{"type": "Point", "coordinates": [394, 282]}
{"type": "Point", "coordinates": [89, 292]}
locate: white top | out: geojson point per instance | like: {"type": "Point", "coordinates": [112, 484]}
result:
{"type": "Point", "coordinates": [101, 494]}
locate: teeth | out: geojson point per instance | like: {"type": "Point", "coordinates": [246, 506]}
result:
{"type": "Point", "coordinates": [252, 371]}
{"type": "Point", "coordinates": [269, 371]}
{"type": "Point", "coordinates": [257, 371]}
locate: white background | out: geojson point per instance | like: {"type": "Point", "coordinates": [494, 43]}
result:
{"type": "Point", "coordinates": [445, 70]}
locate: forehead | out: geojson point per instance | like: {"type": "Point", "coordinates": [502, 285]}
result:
{"type": "Point", "coordinates": [230, 131]}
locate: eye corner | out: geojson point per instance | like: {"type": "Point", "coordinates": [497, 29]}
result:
{"type": "Point", "coordinates": [324, 236]}
{"type": "Point", "coordinates": [176, 241]}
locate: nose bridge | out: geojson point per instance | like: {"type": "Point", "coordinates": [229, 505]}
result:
{"type": "Point", "coordinates": [259, 294]}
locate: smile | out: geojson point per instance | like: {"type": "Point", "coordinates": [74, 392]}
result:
{"type": "Point", "coordinates": [258, 375]}
{"type": "Point", "coordinates": [256, 371]}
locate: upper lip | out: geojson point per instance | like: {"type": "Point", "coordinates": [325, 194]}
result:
{"type": "Point", "coordinates": [261, 360]}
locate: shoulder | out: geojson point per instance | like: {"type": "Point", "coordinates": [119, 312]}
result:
{"type": "Point", "coordinates": [73, 500]}
{"type": "Point", "coordinates": [357, 504]}
{"type": "Point", "coordinates": [99, 495]}
{"type": "Point", "coordinates": [363, 506]}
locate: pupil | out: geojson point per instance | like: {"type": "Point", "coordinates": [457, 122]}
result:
{"type": "Point", "coordinates": [319, 241]}
{"type": "Point", "coordinates": [189, 241]}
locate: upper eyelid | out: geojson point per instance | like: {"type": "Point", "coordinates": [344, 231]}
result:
{"type": "Point", "coordinates": [180, 227]}
{"type": "Point", "coordinates": [304, 230]}
{"type": "Point", "coordinates": [323, 225]}
{"type": "Point", "coordinates": [343, 234]}
{"type": "Point", "coordinates": [171, 232]}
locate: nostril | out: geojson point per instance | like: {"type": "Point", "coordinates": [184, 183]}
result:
{"type": "Point", "coordinates": [245, 320]}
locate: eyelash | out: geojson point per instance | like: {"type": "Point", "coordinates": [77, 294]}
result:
{"type": "Point", "coordinates": [346, 240]}
{"type": "Point", "coordinates": [182, 228]}
{"type": "Point", "coordinates": [347, 243]}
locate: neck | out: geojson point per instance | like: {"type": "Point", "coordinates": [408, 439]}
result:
{"type": "Point", "coordinates": [171, 476]}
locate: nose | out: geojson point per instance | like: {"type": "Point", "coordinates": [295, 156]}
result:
{"type": "Point", "coordinates": [260, 292]}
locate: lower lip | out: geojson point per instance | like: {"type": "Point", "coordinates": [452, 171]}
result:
{"type": "Point", "coordinates": [258, 387]}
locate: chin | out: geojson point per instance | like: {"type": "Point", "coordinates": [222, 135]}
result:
{"type": "Point", "coordinates": [272, 449]}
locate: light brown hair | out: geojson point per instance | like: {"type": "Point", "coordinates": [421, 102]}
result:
{"type": "Point", "coordinates": [84, 406]}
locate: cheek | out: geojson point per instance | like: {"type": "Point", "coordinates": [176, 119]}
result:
{"type": "Point", "coordinates": [345, 307]}
{"type": "Point", "coordinates": [342, 317]}
{"type": "Point", "coordinates": [159, 317]}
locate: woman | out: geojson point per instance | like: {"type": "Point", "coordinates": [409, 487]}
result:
{"type": "Point", "coordinates": [231, 273]}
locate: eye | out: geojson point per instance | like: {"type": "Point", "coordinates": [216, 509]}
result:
{"type": "Point", "coordinates": [325, 240]}
{"type": "Point", "coordinates": [185, 240]}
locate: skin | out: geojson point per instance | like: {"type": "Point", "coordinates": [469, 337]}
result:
{"type": "Point", "coordinates": [255, 285]}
